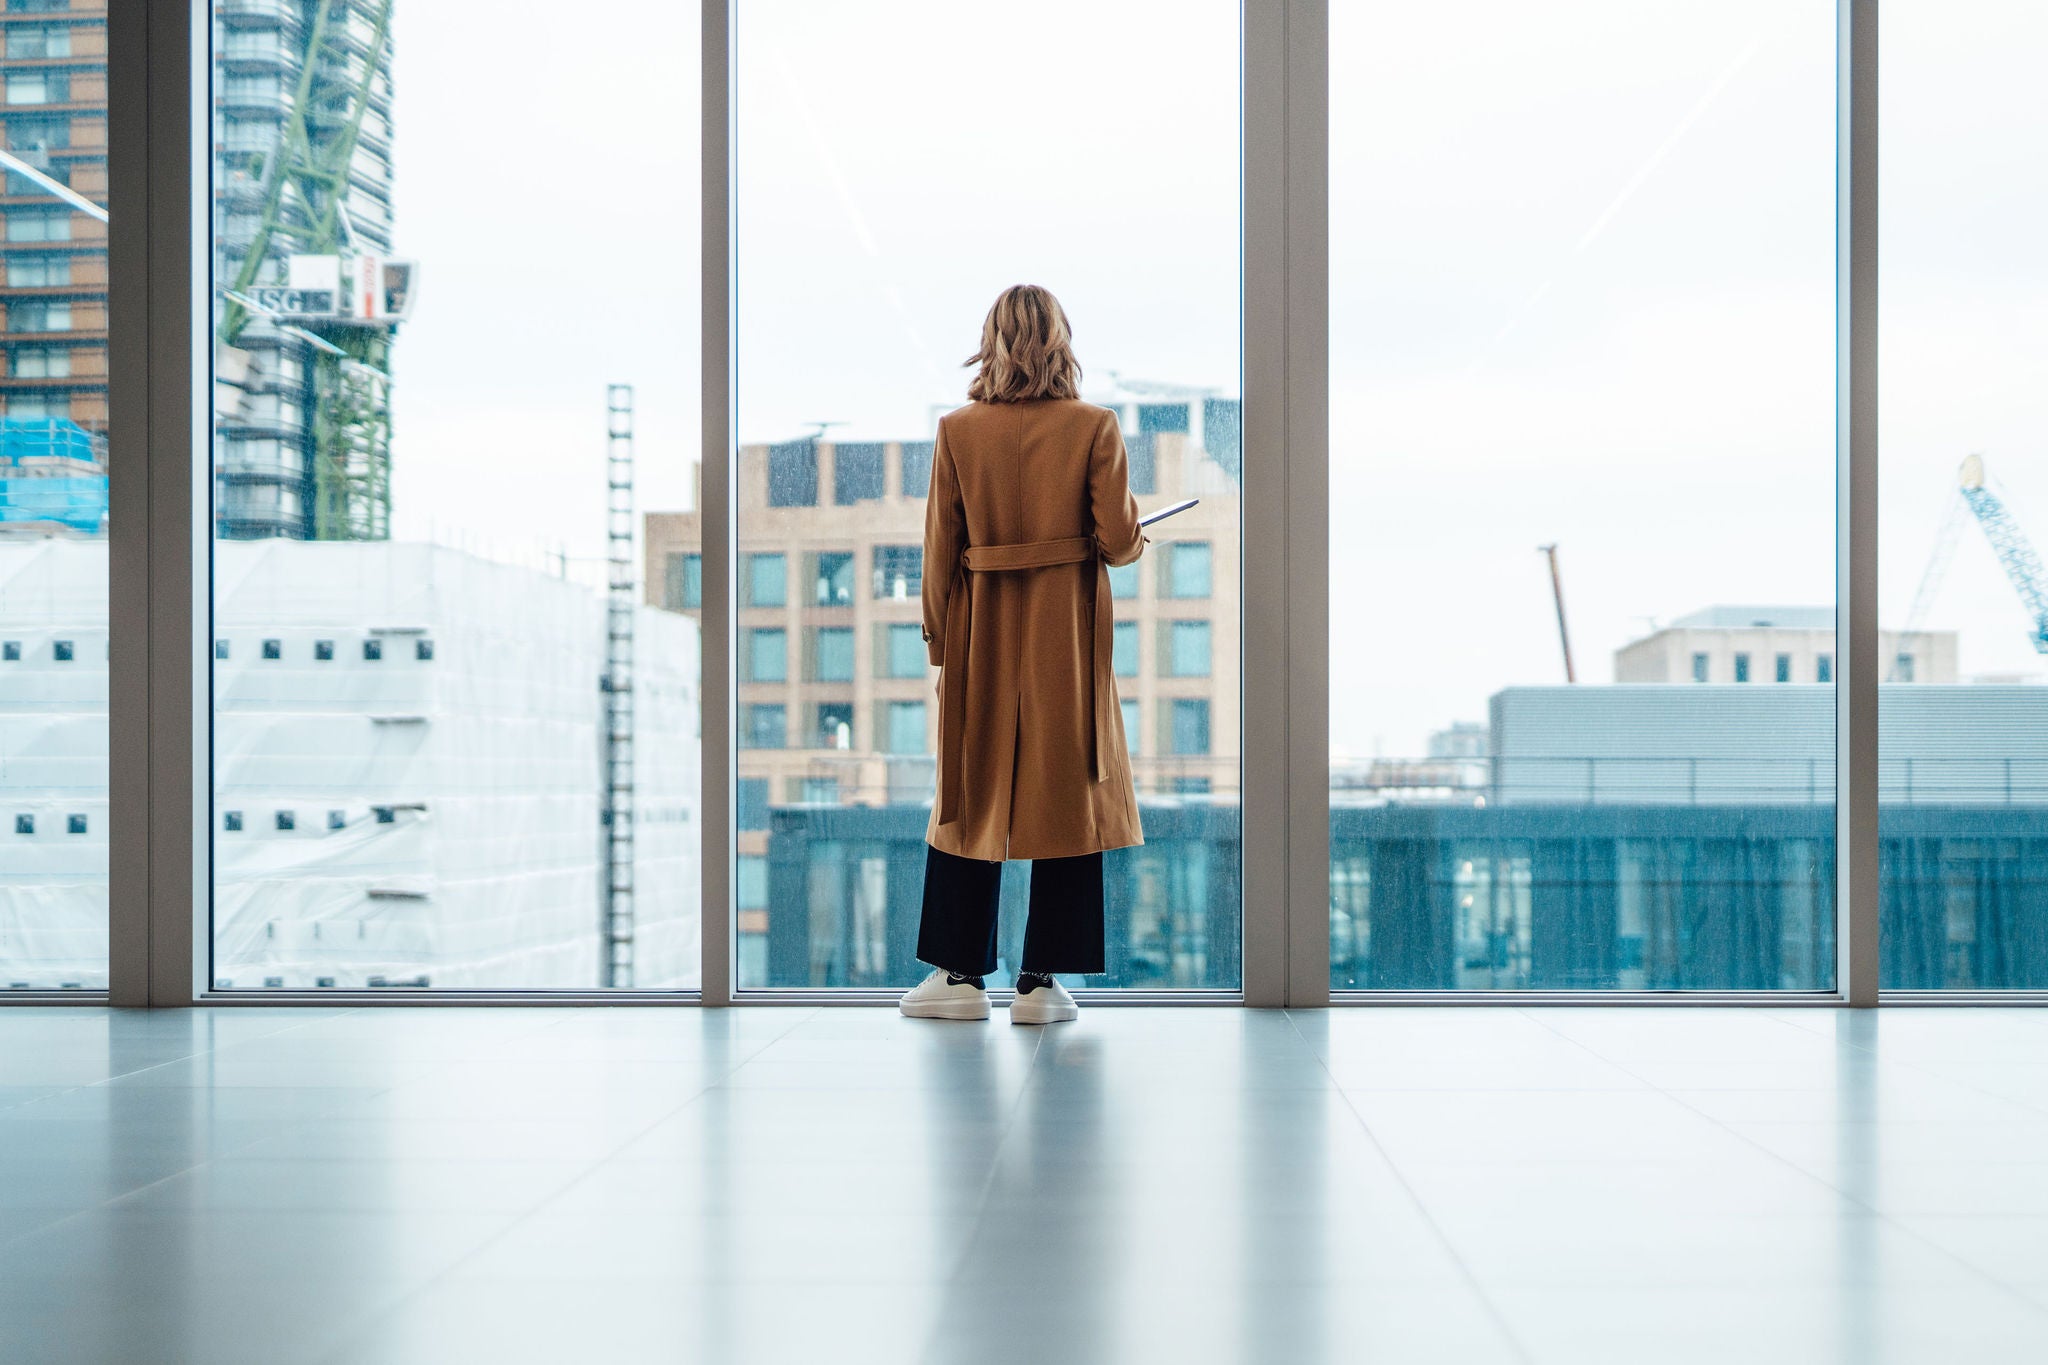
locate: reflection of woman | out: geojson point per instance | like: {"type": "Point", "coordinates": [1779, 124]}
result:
{"type": "Point", "coordinates": [1030, 507]}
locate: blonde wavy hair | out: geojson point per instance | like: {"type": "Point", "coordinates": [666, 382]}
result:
{"type": "Point", "coordinates": [1027, 350]}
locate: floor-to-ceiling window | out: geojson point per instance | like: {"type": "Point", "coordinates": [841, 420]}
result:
{"type": "Point", "coordinates": [455, 574]}
{"type": "Point", "coordinates": [1582, 495]}
{"type": "Point", "coordinates": [1963, 715]}
{"type": "Point", "coordinates": [53, 499]}
{"type": "Point", "coordinates": [897, 166]}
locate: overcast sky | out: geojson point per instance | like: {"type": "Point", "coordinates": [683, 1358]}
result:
{"type": "Point", "coordinates": [1582, 266]}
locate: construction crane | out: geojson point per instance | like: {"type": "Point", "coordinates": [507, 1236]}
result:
{"type": "Point", "coordinates": [1564, 636]}
{"type": "Point", "coordinates": [2015, 554]}
{"type": "Point", "coordinates": [303, 218]}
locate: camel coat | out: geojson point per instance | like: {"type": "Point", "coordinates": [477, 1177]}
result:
{"type": "Point", "coordinates": [1030, 507]}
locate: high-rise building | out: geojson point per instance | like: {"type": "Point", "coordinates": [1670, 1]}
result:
{"type": "Point", "coordinates": [55, 117]}
{"type": "Point", "coordinates": [308, 294]}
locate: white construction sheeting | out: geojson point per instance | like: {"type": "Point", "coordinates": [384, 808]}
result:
{"type": "Point", "coordinates": [407, 772]}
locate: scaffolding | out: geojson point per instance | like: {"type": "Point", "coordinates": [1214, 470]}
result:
{"type": "Point", "coordinates": [620, 603]}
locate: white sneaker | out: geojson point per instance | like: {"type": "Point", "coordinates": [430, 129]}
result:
{"type": "Point", "coordinates": [1047, 1004]}
{"type": "Point", "coordinates": [936, 997]}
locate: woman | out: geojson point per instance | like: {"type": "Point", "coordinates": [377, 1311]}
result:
{"type": "Point", "coordinates": [1030, 507]}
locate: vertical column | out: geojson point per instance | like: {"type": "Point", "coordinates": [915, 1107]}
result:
{"type": "Point", "coordinates": [719, 458]}
{"type": "Point", "coordinates": [1857, 887]}
{"type": "Point", "coordinates": [1285, 194]}
{"type": "Point", "coordinates": [159, 376]}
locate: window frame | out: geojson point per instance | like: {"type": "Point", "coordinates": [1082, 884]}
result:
{"type": "Point", "coordinates": [160, 340]}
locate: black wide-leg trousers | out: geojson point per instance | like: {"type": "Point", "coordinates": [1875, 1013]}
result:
{"type": "Point", "coordinates": [1062, 933]}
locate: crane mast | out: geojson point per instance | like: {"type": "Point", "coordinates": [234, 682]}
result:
{"type": "Point", "coordinates": [2016, 554]}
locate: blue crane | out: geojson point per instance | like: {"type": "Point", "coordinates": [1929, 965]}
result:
{"type": "Point", "coordinates": [2016, 554]}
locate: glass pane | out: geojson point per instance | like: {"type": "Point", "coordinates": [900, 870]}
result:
{"type": "Point", "coordinates": [767, 580]}
{"type": "Point", "coordinates": [53, 516]}
{"type": "Point", "coordinates": [456, 683]}
{"type": "Point", "coordinates": [1582, 374]}
{"type": "Point", "coordinates": [837, 219]}
{"type": "Point", "coordinates": [1963, 705]}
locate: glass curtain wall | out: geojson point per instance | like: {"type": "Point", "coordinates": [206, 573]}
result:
{"type": "Point", "coordinates": [1963, 712]}
{"type": "Point", "coordinates": [1582, 488]}
{"type": "Point", "coordinates": [53, 499]}
{"type": "Point", "coordinates": [885, 194]}
{"type": "Point", "coordinates": [455, 633]}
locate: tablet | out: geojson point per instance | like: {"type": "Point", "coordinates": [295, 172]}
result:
{"type": "Point", "coordinates": [1163, 513]}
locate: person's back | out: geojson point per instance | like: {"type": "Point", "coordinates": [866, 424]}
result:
{"type": "Point", "coordinates": [1030, 506]}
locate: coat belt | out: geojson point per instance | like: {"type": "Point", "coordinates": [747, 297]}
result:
{"type": "Point", "coordinates": [1037, 554]}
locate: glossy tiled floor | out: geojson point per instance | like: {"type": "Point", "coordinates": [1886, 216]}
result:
{"type": "Point", "coordinates": [1461, 1185]}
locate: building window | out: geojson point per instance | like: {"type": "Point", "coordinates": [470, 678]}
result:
{"type": "Point", "coordinates": [905, 651]}
{"type": "Point", "coordinates": [682, 582]}
{"type": "Point", "coordinates": [39, 272]}
{"type": "Point", "coordinates": [833, 580]}
{"type": "Point", "coordinates": [856, 473]}
{"type": "Point", "coordinates": [1741, 668]}
{"type": "Point", "coordinates": [38, 225]}
{"type": "Point", "coordinates": [337, 819]}
{"type": "Point", "coordinates": [906, 727]}
{"type": "Point", "coordinates": [37, 6]}
{"type": "Point", "coordinates": [767, 580]}
{"type": "Point", "coordinates": [751, 803]}
{"type": "Point", "coordinates": [793, 474]}
{"type": "Point", "coordinates": [11, 651]}
{"type": "Point", "coordinates": [31, 41]}
{"type": "Point", "coordinates": [832, 656]}
{"type": "Point", "coordinates": [24, 824]}
{"type": "Point", "coordinates": [768, 655]}
{"type": "Point", "coordinates": [835, 726]}
{"type": "Point", "coordinates": [39, 405]}
{"type": "Point", "coordinates": [1699, 668]}
{"type": "Point", "coordinates": [231, 821]}
{"type": "Point", "coordinates": [1188, 651]}
{"type": "Point", "coordinates": [273, 649]}
{"type": "Point", "coordinates": [373, 649]}
{"type": "Point", "coordinates": [323, 650]}
{"type": "Point", "coordinates": [38, 87]}
{"type": "Point", "coordinates": [767, 727]}
{"type": "Point", "coordinates": [1124, 655]}
{"type": "Point", "coordinates": [423, 650]}
{"type": "Point", "coordinates": [1222, 420]}
{"type": "Point", "coordinates": [64, 651]}
{"type": "Point", "coordinates": [1144, 460]}
{"type": "Point", "coordinates": [1130, 710]}
{"type": "Point", "coordinates": [1190, 725]}
{"type": "Point", "coordinates": [1824, 668]}
{"type": "Point", "coordinates": [1163, 417]}
{"type": "Point", "coordinates": [45, 133]}
{"type": "Point", "coordinates": [1123, 583]}
{"type": "Point", "coordinates": [917, 468]}
{"type": "Point", "coordinates": [38, 315]}
{"type": "Point", "coordinates": [1784, 668]}
{"type": "Point", "coordinates": [899, 571]}
{"type": "Point", "coordinates": [287, 819]}
{"type": "Point", "coordinates": [1187, 569]}
{"type": "Point", "coordinates": [74, 824]}
{"type": "Point", "coordinates": [39, 362]}
{"type": "Point", "coordinates": [386, 815]}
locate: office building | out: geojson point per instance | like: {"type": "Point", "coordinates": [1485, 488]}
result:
{"type": "Point", "coordinates": [1738, 644]}
{"type": "Point", "coordinates": [55, 291]}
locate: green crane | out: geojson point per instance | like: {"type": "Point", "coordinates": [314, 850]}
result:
{"type": "Point", "coordinates": [304, 186]}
